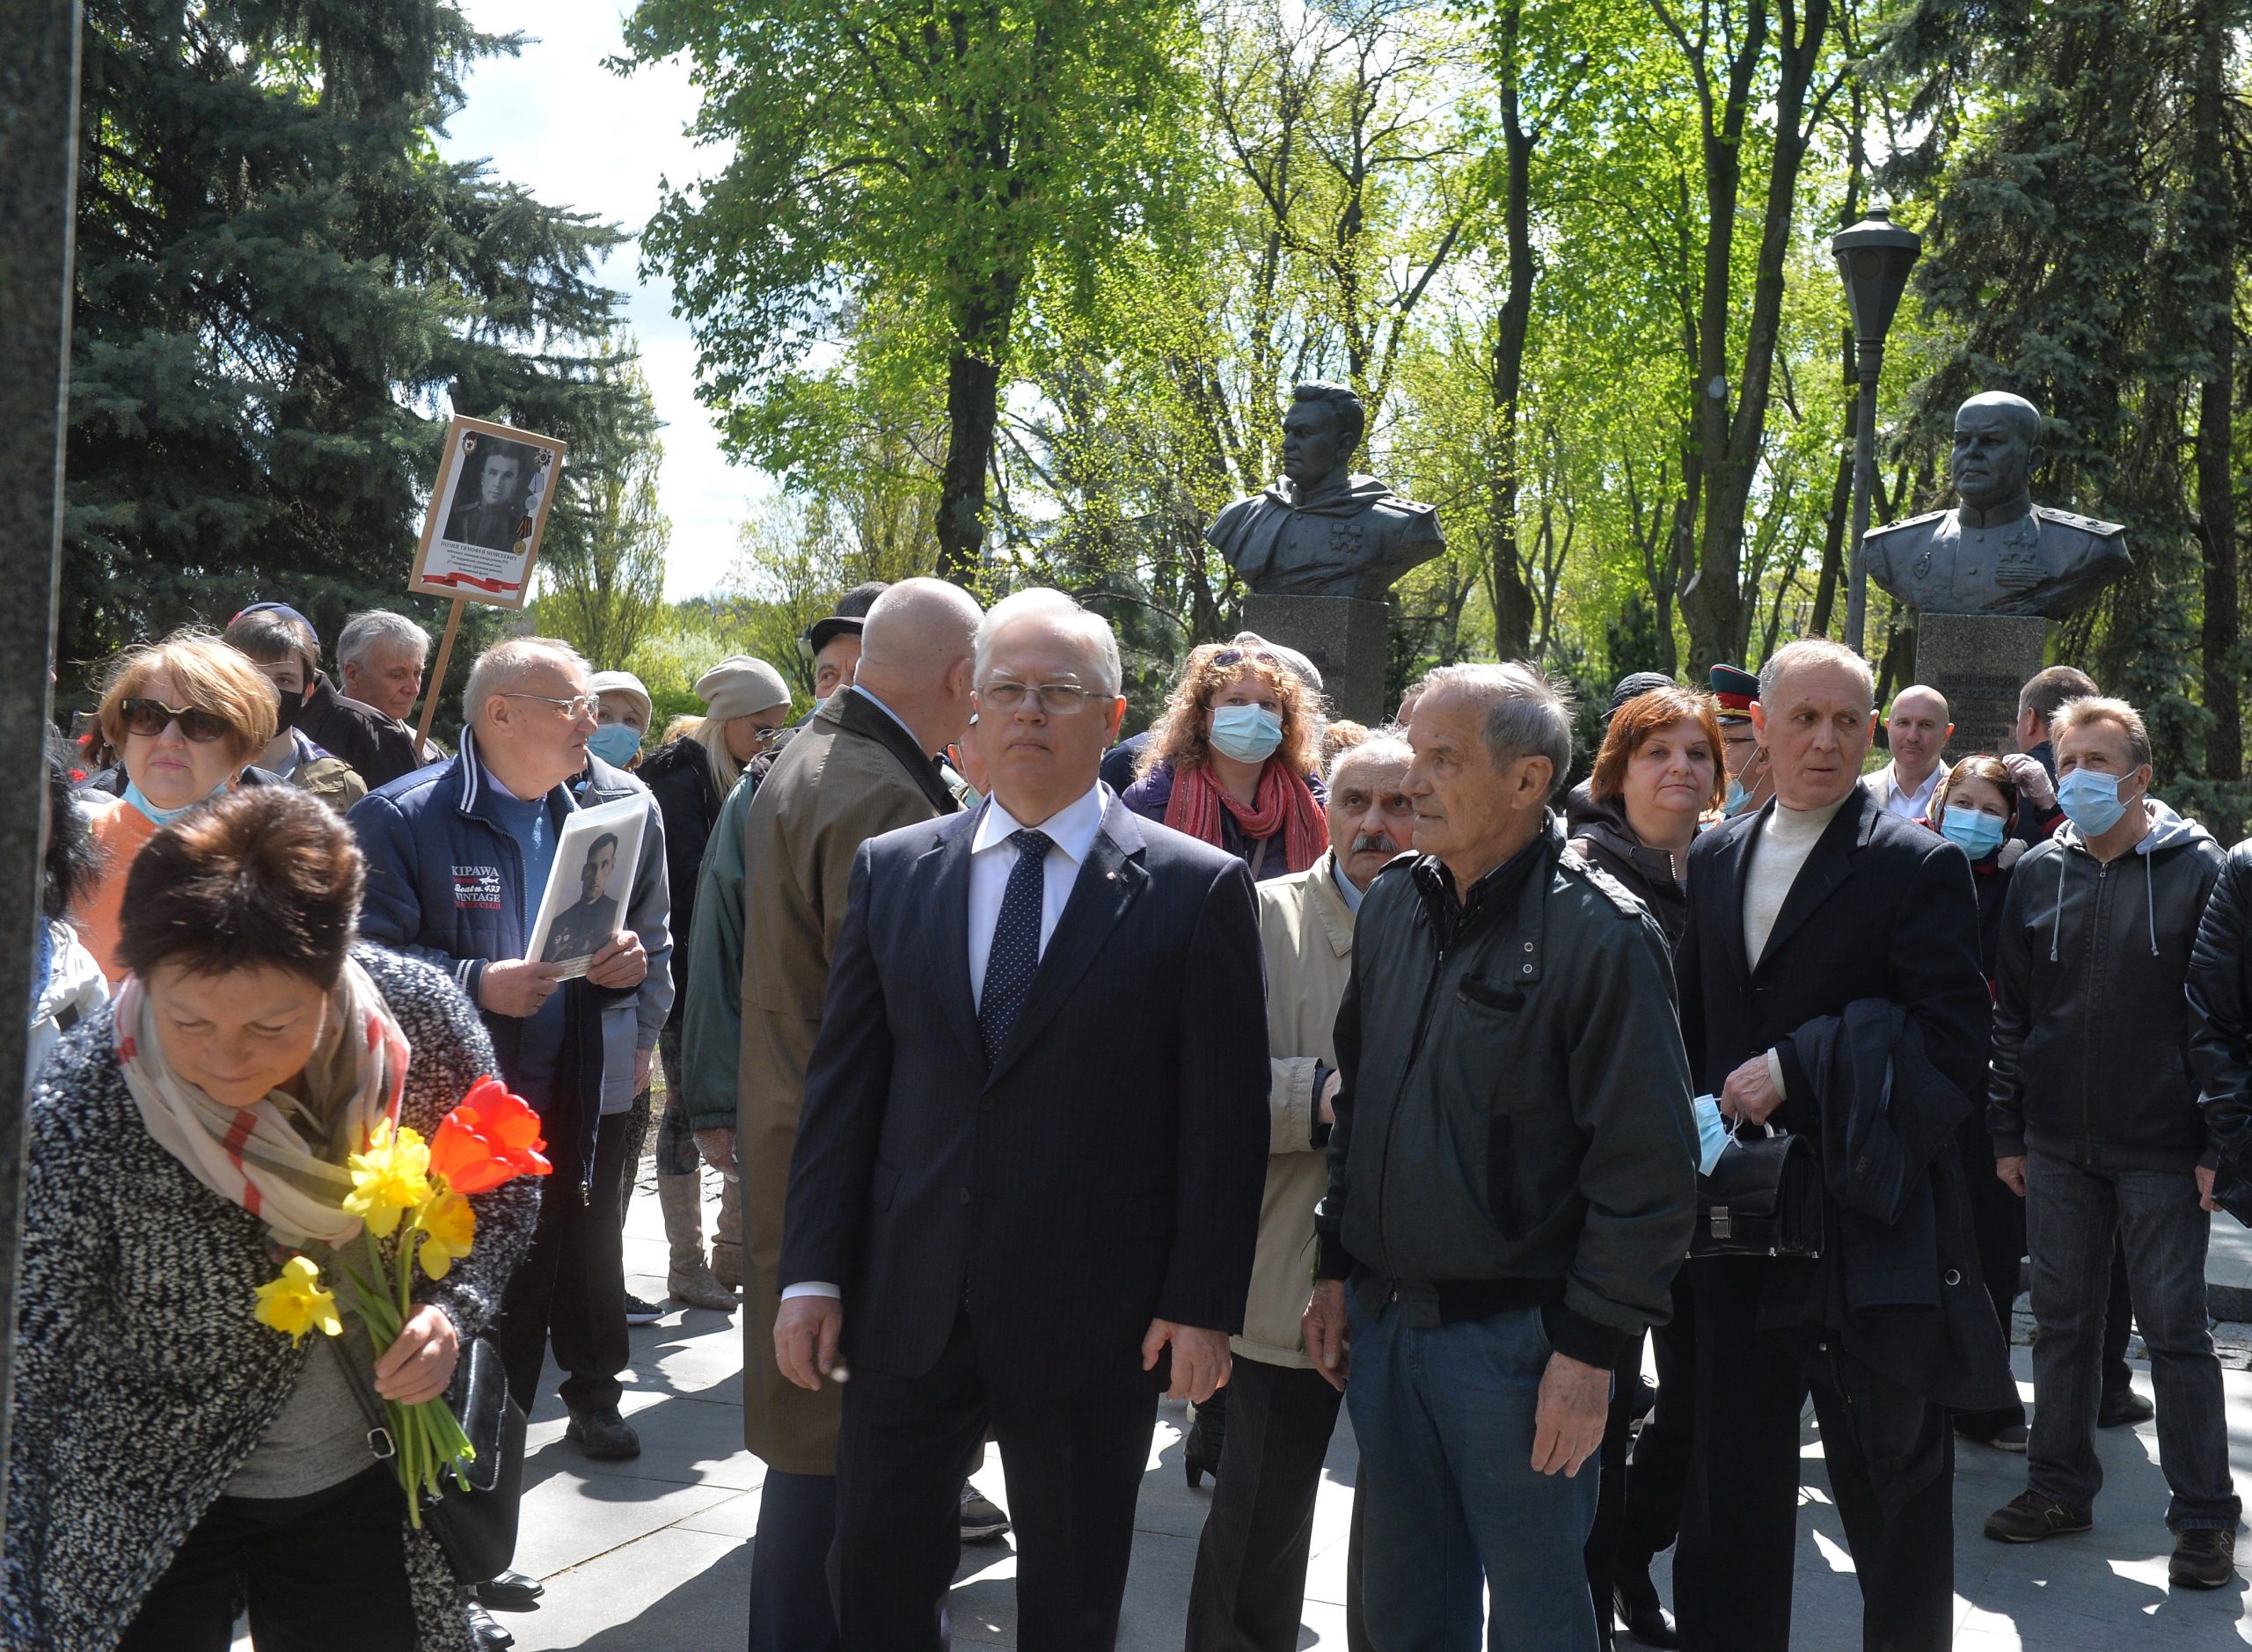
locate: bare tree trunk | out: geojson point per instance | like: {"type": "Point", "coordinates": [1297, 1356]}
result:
{"type": "Point", "coordinates": [2216, 418]}
{"type": "Point", "coordinates": [1512, 599]}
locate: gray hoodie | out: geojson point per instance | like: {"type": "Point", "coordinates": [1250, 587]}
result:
{"type": "Point", "coordinates": [2091, 1036]}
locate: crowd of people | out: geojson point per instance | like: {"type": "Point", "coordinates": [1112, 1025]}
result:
{"type": "Point", "coordinates": [1268, 1062]}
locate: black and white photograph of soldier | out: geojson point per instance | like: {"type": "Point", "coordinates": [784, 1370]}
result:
{"type": "Point", "coordinates": [495, 498]}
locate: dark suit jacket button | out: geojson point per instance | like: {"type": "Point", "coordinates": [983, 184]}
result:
{"type": "Point", "coordinates": [965, 1195]}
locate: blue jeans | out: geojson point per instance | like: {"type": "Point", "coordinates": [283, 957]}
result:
{"type": "Point", "coordinates": [2071, 1215]}
{"type": "Point", "coordinates": [1443, 1415]}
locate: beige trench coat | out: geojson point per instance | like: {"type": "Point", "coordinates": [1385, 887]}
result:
{"type": "Point", "coordinates": [851, 774]}
{"type": "Point", "coordinates": [1306, 932]}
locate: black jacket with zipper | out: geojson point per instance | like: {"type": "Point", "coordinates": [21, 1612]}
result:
{"type": "Point", "coordinates": [2091, 1050]}
{"type": "Point", "coordinates": [2220, 1029]}
{"type": "Point", "coordinates": [1513, 1124]}
{"type": "Point", "coordinates": [1658, 878]}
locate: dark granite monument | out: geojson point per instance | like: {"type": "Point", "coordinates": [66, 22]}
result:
{"type": "Point", "coordinates": [1985, 576]}
{"type": "Point", "coordinates": [1320, 546]}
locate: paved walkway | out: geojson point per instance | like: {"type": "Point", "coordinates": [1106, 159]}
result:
{"type": "Point", "coordinates": [653, 1555]}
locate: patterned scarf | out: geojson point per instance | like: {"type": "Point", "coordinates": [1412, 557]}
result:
{"type": "Point", "coordinates": [1284, 802]}
{"type": "Point", "coordinates": [280, 1158]}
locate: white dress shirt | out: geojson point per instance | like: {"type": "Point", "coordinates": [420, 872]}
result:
{"type": "Point", "coordinates": [1346, 886]}
{"type": "Point", "coordinates": [1906, 804]}
{"type": "Point", "coordinates": [1071, 833]}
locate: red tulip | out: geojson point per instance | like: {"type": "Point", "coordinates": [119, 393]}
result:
{"type": "Point", "coordinates": [491, 1138]}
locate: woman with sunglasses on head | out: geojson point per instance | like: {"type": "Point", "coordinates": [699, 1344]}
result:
{"type": "Point", "coordinates": [187, 717]}
{"type": "Point", "coordinates": [746, 709]}
{"type": "Point", "coordinates": [1232, 761]}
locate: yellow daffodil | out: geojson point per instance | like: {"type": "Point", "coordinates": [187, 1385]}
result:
{"type": "Point", "coordinates": [296, 1301]}
{"type": "Point", "coordinates": [392, 1176]}
{"type": "Point", "coordinates": [449, 1229]}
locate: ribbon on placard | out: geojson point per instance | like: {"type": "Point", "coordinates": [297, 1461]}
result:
{"type": "Point", "coordinates": [494, 586]}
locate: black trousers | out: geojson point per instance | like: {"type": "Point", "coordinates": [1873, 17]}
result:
{"type": "Point", "coordinates": [325, 1573]}
{"type": "Point", "coordinates": [789, 1563]}
{"type": "Point", "coordinates": [1074, 1463]}
{"type": "Point", "coordinates": [571, 1288]}
{"type": "Point", "coordinates": [1733, 1572]}
{"type": "Point", "coordinates": [1248, 1592]}
{"type": "Point", "coordinates": [1658, 1476]}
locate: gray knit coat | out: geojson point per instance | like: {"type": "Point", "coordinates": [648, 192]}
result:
{"type": "Point", "coordinates": [141, 1380]}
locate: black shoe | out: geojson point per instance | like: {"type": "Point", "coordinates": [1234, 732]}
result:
{"type": "Point", "coordinates": [510, 1591]}
{"type": "Point", "coordinates": [603, 1434]}
{"type": "Point", "coordinates": [982, 1519]}
{"type": "Point", "coordinates": [1200, 1452]}
{"type": "Point", "coordinates": [640, 1311]}
{"type": "Point", "coordinates": [2032, 1516]}
{"type": "Point", "coordinates": [1635, 1598]}
{"type": "Point", "coordinates": [2203, 1559]}
{"type": "Point", "coordinates": [2007, 1436]}
{"type": "Point", "coordinates": [487, 1631]}
{"type": "Point", "coordinates": [2124, 1409]}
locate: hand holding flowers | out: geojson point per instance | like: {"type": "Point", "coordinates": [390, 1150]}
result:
{"type": "Point", "coordinates": [412, 1198]}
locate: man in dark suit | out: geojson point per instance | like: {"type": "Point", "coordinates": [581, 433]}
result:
{"type": "Point", "coordinates": [1816, 901]}
{"type": "Point", "coordinates": [1030, 1158]}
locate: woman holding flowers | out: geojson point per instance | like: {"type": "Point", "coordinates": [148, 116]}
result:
{"type": "Point", "coordinates": [248, 1174]}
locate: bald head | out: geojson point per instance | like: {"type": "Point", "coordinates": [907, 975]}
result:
{"type": "Point", "coordinates": [918, 626]}
{"type": "Point", "coordinates": [915, 657]}
{"type": "Point", "coordinates": [1917, 732]}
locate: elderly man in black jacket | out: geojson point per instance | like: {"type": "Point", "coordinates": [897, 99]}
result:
{"type": "Point", "coordinates": [1510, 1178]}
{"type": "Point", "coordinates": [1809, 905]}
{"type": "Point", "coordinates": [2095, 1122]}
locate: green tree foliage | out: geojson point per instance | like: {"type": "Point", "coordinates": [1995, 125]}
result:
{"type": "Point", "coordinates": [277, 276]}
{"type": "Point", "coordinates": [928, 165]}
{"type": "Point", "coordinates": [602, 569]}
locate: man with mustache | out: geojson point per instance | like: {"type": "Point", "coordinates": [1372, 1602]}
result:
{"type": "Point", "coordinates": [1251, 1561]}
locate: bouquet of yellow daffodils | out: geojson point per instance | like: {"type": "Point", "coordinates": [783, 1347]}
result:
{"type": "Point", "coordinates": [412, 1197]}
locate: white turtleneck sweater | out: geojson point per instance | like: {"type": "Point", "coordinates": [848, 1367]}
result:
{"type": "Point", "coordinates": [1787, 837]}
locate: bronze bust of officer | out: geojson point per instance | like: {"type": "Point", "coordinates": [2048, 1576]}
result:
{"type": "Point", "coordinates": [1321, 530]}
{"type": "Point", "coordinates": [1997, 552]}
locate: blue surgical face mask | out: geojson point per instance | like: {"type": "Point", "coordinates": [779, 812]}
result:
{"type": "Point", "coordinates": [1980, 834]}
{"type": "Point", "coordinates": [139, 798]}
{"type": "Point", "coordinates": [2090, 801]}
{"type": "Point", "coordinates": [1738, 797]}
{"type": "Point", "coordinates": [1249, 733]}
{"type": "Point", "coordinates": [615, 744]}
{"type": "Point", "coordinates": [1711, 1133]}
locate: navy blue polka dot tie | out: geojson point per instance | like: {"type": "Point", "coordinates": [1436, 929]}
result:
{"type": "Point", "coordinates": [1015, 956]}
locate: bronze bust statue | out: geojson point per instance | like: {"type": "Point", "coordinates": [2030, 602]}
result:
{"type": "Point", "coordinates": [1997, 552]}
{"type": "Point", "coordinates": [1321, 530]}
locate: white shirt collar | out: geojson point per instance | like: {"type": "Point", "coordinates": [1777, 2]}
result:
{"type": "Point", "coordinates": [1915, 793]}
{"type": "Point", "coordinates": [1070, 829]}
{"type": "Point", "coordinates": [888, 711]}
{"type": "Point", "coordinates": [1345, 886]}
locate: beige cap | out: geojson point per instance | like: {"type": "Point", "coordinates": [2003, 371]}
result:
{"type": "Point", "coordinates": [739, 686]}
{"type": "Point", "coordinates": [623, 683]}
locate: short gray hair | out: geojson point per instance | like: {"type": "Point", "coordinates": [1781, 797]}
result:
{"type": "Point", "coordinates": [510, 661]}
{"type": "Point", "coordinates": [1388, 744]}
{"type": "Point", "coordinates": [1814, 650]}
{"type": "Point", "coordinates": [2097, 708]}
{"type": "Point", "coordinates": [364, 633]}
{"type": "Point", "coordinates": [1527, 715]}
{"type": "Point", "coordinates": [1066, 616]}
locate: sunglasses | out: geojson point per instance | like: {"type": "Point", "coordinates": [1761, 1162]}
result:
{"type": "Point", "coordinates": [150, 717]}
{"type": "Point", "coordinates": [1237, 657]}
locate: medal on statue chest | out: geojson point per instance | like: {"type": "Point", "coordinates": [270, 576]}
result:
{"type": "Point", "coordinates": [1344, 538]}
{"type": "Point", "coordinates": [2018, 566]}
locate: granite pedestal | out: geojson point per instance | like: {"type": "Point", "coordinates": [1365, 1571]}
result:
{"type": "Point", "coordinates": [1979, 661]}
{"type": "Point", "coordinates": [1348, 641]}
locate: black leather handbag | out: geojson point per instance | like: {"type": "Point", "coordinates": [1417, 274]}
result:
{"type": "Point", "coordinates": [1764, 1198]}
{"type": "Point", "coordinates": [475, 1529]}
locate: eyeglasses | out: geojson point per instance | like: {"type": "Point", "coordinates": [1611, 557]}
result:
{"type": "Point", "coordinates": [768, 736]}
{"type": "Point", "coordinates": [1237, 657]}
{"type": "Point", "coordinates": [1056, 700]}
{"type": "Point", "coordinates": [576, 707]}
{"type": "Point", "coordinates": [150, 717]}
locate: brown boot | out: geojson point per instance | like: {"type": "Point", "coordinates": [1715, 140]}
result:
{"type": "Point", "coordinates": [687, 1278]}
{"type": "Point", "coordinates": [727, 1239]}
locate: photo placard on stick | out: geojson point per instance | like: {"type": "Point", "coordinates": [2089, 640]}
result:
{"type": "Point", "coordinates": [591, 886]}
{"type": "Point", "coordinates": [481, 538]}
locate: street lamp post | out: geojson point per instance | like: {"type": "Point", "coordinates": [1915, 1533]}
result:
{"type": "Point", "coordinates": [1873, 258]}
